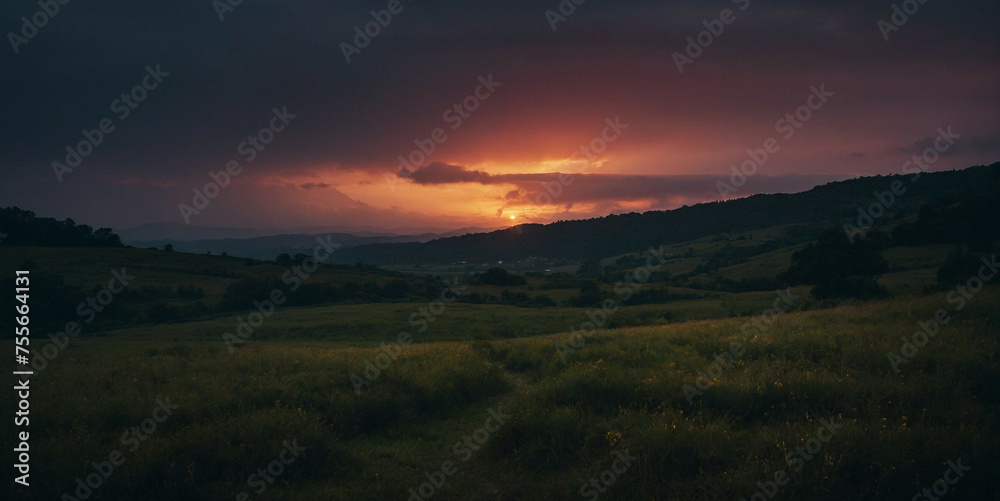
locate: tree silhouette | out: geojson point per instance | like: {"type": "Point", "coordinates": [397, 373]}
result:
{"type": "Point", "coordinates": [838, 267]}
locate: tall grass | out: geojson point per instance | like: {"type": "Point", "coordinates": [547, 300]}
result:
{"type": "Point", "coordinates": [622, 390]}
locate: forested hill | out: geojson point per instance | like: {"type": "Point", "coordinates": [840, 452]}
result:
{"type": "Point", "coordinates": [821, 207]}
{"type": "Point", "coordinates": [20, 227]}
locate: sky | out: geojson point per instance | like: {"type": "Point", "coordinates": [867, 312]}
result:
{"type": "Point", "coordinates": [504, 112]}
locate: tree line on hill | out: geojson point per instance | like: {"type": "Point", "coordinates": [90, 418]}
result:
{"type": "Point", "coordinates": [56, 302]}
{"type": "Point", "coordinates": [24, 228]}
{"type": "Point", "coordinates": [618, 234]}
{"type": "Point", "coordinates": [835, 264]}
{"type": "Point", "coordinates": [839, 267]}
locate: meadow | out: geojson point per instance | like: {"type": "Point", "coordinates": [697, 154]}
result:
{"type": "Point", "coordinates": [711, 380]}
{"type": "Point", "coordinates": [623, 391]}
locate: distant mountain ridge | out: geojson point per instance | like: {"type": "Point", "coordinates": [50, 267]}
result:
{"type": "Point", "coordinates": [823, 206]}
{"type": "Point", "coordinates": [268, 247]}
{"type": "Point", "coordinates": [178, 232]}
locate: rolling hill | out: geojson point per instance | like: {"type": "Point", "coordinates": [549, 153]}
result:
{"type": "Point", "coordinates": [813, 210]}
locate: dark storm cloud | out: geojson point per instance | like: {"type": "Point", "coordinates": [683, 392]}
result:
{"type": "Point", "coordinates": [226, 76]}
{"type": "Point", "coordinates": [967, 144]}
{"type": "Point", "coordinates": [439, 173]}
{"type": "Point", "coordinates": [565, 188]}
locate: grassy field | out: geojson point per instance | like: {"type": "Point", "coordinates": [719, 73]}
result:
{"type": "Point", "coordinates": [622, 391]}
{"type": "Point", "coordinates": [376, 418]}
{"type": "Point", "coordinates": [376, 323]}
{"type": "Point", "coordinates": [159, 268]}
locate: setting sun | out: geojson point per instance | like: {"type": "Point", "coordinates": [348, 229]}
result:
{"type": "Point", "coordinates": [512, 217]}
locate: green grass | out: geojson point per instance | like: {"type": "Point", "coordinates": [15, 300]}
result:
{"type": "Point", "coordinates": [622, 390]}
{"type": "Point", "coordinates": [92, 266]}
{"type": "Point", "coordinates": [766, 265]}
{"type": "Point", "coordinates": [376, 323]}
